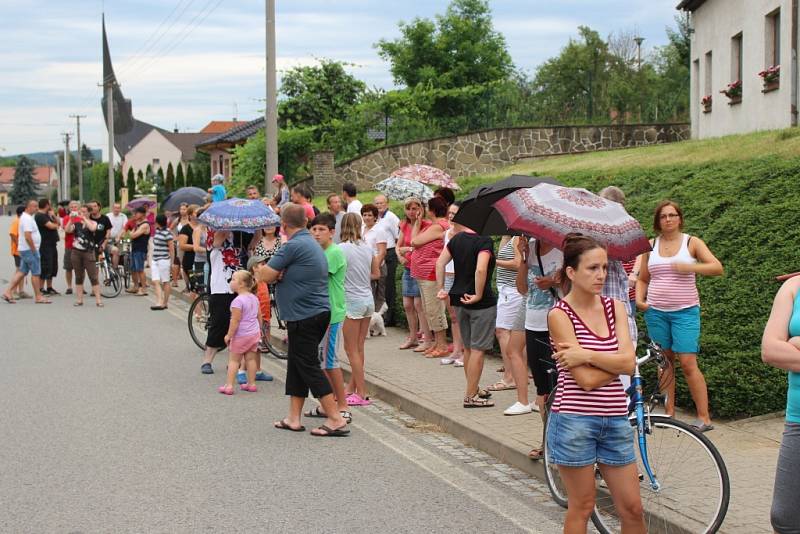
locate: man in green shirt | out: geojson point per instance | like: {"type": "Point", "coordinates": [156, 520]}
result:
{"type": "Point", "coordinates": [322, 228]}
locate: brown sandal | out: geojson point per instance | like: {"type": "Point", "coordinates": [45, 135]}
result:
{"type": "Point", "coordinates": [477, 402]}
{"type": "Point", "coordinates": [409, 344]}
{"type": "Point", "coordinates": [500, 385]}
{"type": "Point", "coordinates": [536, 454]}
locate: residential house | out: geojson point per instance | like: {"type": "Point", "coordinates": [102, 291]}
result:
{"type": "Point", "coordinates": [219, 147]}
{"type": "Point", "coordinates": [159, 148]}
{"type": "Point", "coordinates": [45, 177]}
{"type": "Point", "coordinates": [747, 48]}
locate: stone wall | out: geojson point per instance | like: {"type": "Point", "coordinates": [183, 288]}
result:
{"type": "Point", "coordinates": [488, 150]}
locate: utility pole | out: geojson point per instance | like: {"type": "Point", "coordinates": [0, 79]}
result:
{"type": "Point", "coordinates": [65, 182]}
{"type": "Point", "coordinates": [109, 89]}
{"type": "Point", "coordinates": [271, 113]}
{"type": "Point", "coordinates": [80, 157]}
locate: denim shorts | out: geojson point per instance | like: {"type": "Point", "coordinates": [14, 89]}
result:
{"type": "Point", "coordinates": [581, 440]}
{"type": "Point", "coordinates": [360, 308]}
{"type": "Point", "coordinates": [410, 286]}
{"type": "Point", "coordinates": [30, 262]}
{"type": "Point", "coordinates": [678, 331]}
{"type": "Point", "coordinates": [138, 258]}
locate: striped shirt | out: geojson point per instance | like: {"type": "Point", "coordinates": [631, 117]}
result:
{"type": "Point", "coordinates": [628, 266]}
{"type": "Point", "coordinates": [161, 244]}
{"type": "Point", "coordinates": [504, 275]}
{"type": "Point", "coordinates": [606, 401]}
{"type": "Point", "coordinates": [668, 289]}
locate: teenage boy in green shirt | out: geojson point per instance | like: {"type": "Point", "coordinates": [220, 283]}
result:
{"type": "Point", "coordinates": [322, 228]}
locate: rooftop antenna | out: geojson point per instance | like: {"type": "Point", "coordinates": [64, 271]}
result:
{"type": "Point", "coordinates": [235, 112]}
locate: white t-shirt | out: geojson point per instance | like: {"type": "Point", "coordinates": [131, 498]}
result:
{"type": "Point", "coordinates": [28, 224]}
{"type": "Point", "coordinates": [391, 224]}
{"type": "Point", "coordinates": [354, 207]}
{"type": "Point", "coordinates": [539, 301]}
{"type": "Point", "coordinates": [359, 268]}
{"type": "Point", "coordinates": [117, 224]}
{"type": "Point", "coordinates": [374, 236]}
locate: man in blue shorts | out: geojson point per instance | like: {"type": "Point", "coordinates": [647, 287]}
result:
{"type": "Point", "coordinates": [29, 260]}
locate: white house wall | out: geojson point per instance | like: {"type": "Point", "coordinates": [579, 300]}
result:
{"type": "Point", "coordinates": [152, 146]}
{"type": "Point", "coordinates": [715, 23]}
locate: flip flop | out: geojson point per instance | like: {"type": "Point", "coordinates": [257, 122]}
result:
{"type": "Point", "coordinates": [76, 304]}
{"type": "Point", "coordinates": [330, 432]}
{"type": "Point", "coordinates": [500, 386]}
{"type": "Point", "coordinates": [316, 412]}
{"type": "Point", "coordinates": [9, 300]}
{"type": "Point", "coordinates": [536, 454]}
{"type": "Point", "coordinates": [283, 425]}
{"type": "Point", "coordinates": [701, 426]}
{"type": "Point", "coordinates": [43, 301]}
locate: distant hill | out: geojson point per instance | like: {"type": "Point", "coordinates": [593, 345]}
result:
{"type": "Point", "coordinates": [50, 158]}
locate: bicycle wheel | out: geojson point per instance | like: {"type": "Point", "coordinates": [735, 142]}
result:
{"type": "Point", "coordinates": [267, 344]}
{"type": "Point", "coordinates": [551, 474]}
{"type": "Point", "coordinates": [198, 320]}
{"type": "Point", "coordinates": [695, 488]}
{"type": "Point", "coordinates": [110, 283]}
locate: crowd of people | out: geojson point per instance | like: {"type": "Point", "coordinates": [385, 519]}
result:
{"type": "Point", "coordinates": [568, 307]}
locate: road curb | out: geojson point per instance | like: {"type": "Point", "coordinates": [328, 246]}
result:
{"type": "Point", "coordinates": [428, 412]}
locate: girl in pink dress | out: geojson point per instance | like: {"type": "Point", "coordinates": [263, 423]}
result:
{"type": "Point", "coordinates": [244, 332]}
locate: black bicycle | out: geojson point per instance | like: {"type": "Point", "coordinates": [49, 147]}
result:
{"type": "Point", "coordinates": [684, 483]}
{"type": "Point", "coordinates": [268, 343]}
{"type": "Point", "coordinates": [108, 278]}
{"type": "Point", "coordinates": [199, 315]}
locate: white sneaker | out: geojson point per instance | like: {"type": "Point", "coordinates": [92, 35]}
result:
{"type": "Point", "coordinates": [518, 409]}
{"type": "Point", "coordinates": [447, 361]}
{"type": "Point", "coordinates": [458, 363]}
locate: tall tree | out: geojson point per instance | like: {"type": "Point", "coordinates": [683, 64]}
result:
{"type": "Point", "coordinates": [574, 83]}
{"type": "Point", "coordinates": [169, 180]}
{"type": "Point", "coordinates": [131, 183]}
{"type": "Point", "coordinates": [318, 94]}
{"type": "Point", "coordinates": [190, 179]}
{"type": "Point", "coordinates": [461, 48]}
{"type": "Point", "coordinates": [24, 187]}
{"type": "Point", "coordinates": [180, 179]}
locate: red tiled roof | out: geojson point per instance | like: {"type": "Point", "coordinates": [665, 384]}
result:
{"type": "Point", "coordinates": [217, 127]}
{"type": "Point", "coordinates": [41, 175]}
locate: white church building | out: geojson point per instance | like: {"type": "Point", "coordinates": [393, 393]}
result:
{"type": "Point", "coordinates": [744, 65]}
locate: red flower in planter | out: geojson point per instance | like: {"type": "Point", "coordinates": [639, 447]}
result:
{"type": "Point", "coordinates": [734, 90]}
{"type": "Point", "coordinates": [771, 74]}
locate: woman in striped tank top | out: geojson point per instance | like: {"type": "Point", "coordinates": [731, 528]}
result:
{"type": "Point", "coordinates": [588, 423]}
{"type": "Point", "coordinates": [667, 292]}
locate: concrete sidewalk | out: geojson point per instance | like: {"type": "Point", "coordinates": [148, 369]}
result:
{"type": "Point", "coordinates": [433, 393]}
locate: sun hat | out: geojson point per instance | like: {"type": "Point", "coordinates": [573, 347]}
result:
{"type": "Point", "coordinates": [255, 260]}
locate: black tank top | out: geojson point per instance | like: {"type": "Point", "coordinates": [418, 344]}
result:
{"type": "Point", "coordinates": [139, 244]}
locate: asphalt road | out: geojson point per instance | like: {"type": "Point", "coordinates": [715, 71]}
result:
{"type": "Point", "coordinates": [107, 425]}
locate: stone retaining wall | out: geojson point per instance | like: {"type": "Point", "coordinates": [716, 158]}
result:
{"type": "Point", "coordinates": [488, 150]}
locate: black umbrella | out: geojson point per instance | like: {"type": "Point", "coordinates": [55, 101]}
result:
{"type": "Point", "coordinates": [189, 195]}
{"type": "Point", "coordinates": [477, 211]}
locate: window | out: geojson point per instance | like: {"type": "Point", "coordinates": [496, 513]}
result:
{"type": "Point", "coordinates": [707, 85]}
{"type": "Point", "coordinates": [220, 166]}
{"type": "Point", "coordinates": [227, 172]}
{"type": "Point", "coordinates": [156, 163]}
{"type": "Point", "coordinates": [214, 168]}
{"type": "Point", "coordinates": [736, 57]}
{"type": "Point", "coordinates": [772, 34]}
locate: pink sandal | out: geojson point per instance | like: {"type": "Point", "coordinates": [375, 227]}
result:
{"type": "Point", "coordinates": [226, 390]}
{"type": "Point", "coordinates": [246, 387]}
{"type": "Point", "coordinates": [357, 400]}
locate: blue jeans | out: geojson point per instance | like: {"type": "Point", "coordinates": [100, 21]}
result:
{"type": "Point", "coordinates": [30, 262]}
{"type": "Point", "coordinates": [138, 258]}
{"type": "Point", "coordinates": [581, 440]}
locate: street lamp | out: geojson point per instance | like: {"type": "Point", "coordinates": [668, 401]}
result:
{"type": "Point", "coordinates": [639, 41]}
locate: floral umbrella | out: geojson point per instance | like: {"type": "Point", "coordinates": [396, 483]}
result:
{"type": "Point", "coordinates": [140, 202]}
{"type": "Point", "coordinates": [550, 212]}
{"type": "Point", "coordinates": [402, 188]}
{"type": "Point", "coordinates": [427, 175]}
{"type": "Point", "coordinates": [239, 214]}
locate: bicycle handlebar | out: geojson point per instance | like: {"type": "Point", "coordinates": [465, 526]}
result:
{"type": "Point", "coordinates": [654, 351]}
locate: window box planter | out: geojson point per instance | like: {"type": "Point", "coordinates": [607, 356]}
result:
{"type": "Point", "coordinates": [705, 103]}
{"type": "Point", "coordinates": [733, 92]}
{"type": "Point", "coordinates": [771, 77]}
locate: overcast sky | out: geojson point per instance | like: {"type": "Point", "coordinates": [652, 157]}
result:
{"type": "Point", "coordinates": [187, 62]}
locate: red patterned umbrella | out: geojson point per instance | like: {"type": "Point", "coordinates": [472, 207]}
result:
{"type": "Point", "coordinates": [427, 175]}
{"type": "Point", "coordinates": [550, 212]}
